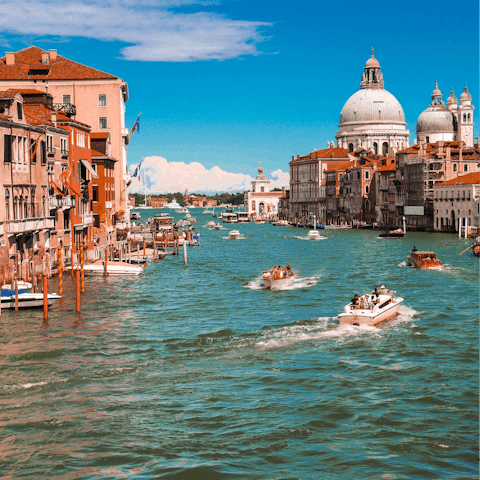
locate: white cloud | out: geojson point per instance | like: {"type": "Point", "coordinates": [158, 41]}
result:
{"type": "Point", "coordinates": [157, 175]}
{"type": "Point", "coordinates": [157, 30]}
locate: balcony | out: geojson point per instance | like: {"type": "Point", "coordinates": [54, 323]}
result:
{"type": "Point", "coordinates": [66, 108]}
{"type": "Point", "coordinates": [87, 220]}
{"type": "Point", "coordinates": [55, 202]}
{"type": "Point", "coordinates": [64, 154]}
{"type": "Point", "coordinates": [50, 152]}
{"type": "Point", "coordinates": [29, 225]}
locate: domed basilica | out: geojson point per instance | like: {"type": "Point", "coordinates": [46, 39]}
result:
{"type": "Point", "coordinates": [373, 118]}
{"type": "Point", "coordinates": [447, 123]}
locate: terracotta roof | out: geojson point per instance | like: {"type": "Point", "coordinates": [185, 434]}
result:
{"type": "Point", "coordinates": [388, 168]}
{"type": "Point", "coordinates": [28, 65]}
{"type": "Point", "coordinates": [333, 153]}
{"type": "Point", "coordinates": [341, 166]}
{"type": "Point", "coordinates": [39, 115]}
{"type": "Point", "coordinates": [99, 135]}
{"type": "Point", "coordinates": [26, 91]}
{"type": "Point", "coordinates": [8, 94]}
{"type": "Point", "coordinates": [468, 179]}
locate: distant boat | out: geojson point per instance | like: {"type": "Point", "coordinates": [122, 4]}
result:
{"type": "Point", "coordinates": [113, 268]}
{"type": "Point", "coordinates": [234, 234]}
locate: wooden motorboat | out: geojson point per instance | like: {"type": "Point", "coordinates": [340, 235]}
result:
{"type": "Point", "coordinates": [423, 259]}
{"type": "Point", "coordinates": [27, 300]}
{"type": "Point", "coordinates": [278, 277]}
{"type": "Point", "coordinates": [398, 233]}
{"type": "Point", "coordinates": [260, 222]}
{"type": "Point", "coordinates": [218, 226]}
{"type": "Point", "coordinates": [476, 249]}
{"type": "Point", "coordinates": [234, 234]}
{"type": "Point", "coordinates": [370, 309]}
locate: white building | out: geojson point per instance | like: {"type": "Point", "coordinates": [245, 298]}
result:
{"type": "Point", "coordinates": [373, 118]}
{"type": "Point", "coordinates": [456, 203]}
{"type": "Point", "coordinates": [261, 202]}
{"type": "Point", "coordinates": [453, 122]}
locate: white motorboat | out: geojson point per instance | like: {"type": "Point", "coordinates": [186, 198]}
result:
{"type": "Point", "coordinates": [280, 223]}
{"type": "Point", "coordinates": [113, 268]}
{"type": "Point", "coordinates": [370, 309]}
{"type": "Point", "coordinates": [27, 300]}
{"type": "Point", "coordinates": [234, 234]}
{"type": "Point", "coordinates": [218, 226]}
{"type": "Point", "coordinates": [278, 278]}
{"type": "Point", "coordinates": [182, 210]}
{"type": "Point", "coordinates": [24, 287]}
{"type": "Point", "coordinates": [210, 223]}
{"type": "Point", "coordinates": [314, 235]}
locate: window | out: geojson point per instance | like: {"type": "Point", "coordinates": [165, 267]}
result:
{"type": "Point", "coordinates": [7, 204]}
{"type": "Point", "coordinates": [95, 193]}
{"type": "Point", "coordinates": [366, 189]}
{"type": "Point", "coordinates": [102, 100]}
{"type": "Point", "coordinates": [262, 189]}
{"type": "Point", "coordinates": [19, 111]}
{"type": "Point", "coordinates": [454, 167]}
{"type": "Point", "coordinates": [375, 148]}
{"type": "Point", "coordinates": [63, 146]}
{"type": "Point", "coordinates": [80, 139]}
{"type": "Point", "coordinates": [43, 153]}
{"type": "Point", "coordinates": [102, 123]}
{"type": "Point", "coordinates": [50, 146]}
{"type": "Point", "coordinates": [385, 149]}
{"type": "Point", "coordinates": [33, 151]}
{"type": "Point", "coordinates": [7, 148]}
{"type": "Point", "coordinates": [427, 139]}
{"type": "Point", "coordinates": [367, 174]}
{"type": "Point", "coordinates": [465, 168]}
{"type": "Point", "coordinates": [67, 99]}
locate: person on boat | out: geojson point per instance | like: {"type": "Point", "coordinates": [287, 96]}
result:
{"type": "Point", "coordinates": [289, 268]}
{"type": "Point", "coordinates": [377, 296]}
{"type": "Point", "coordinates": [414, 249]}
{"type": "Point", "coordinates": [355, 299]}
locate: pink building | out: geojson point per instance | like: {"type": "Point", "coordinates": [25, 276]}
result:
{"type": "Point", "coordinates": [90, 96]}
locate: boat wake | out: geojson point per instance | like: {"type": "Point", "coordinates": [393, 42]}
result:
{"type": "Point", "coordinates": [299, 282]}
{"type": "Point", "coordinates": [401, 264]}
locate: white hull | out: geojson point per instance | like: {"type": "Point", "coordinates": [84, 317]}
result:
{"type": "Point", "coordinates": [278, 283]}
{"type": "Point", "coordinates": [112, 269]}
{"type": "Point", "coordinates": [29, 300]}
{"type": "Point", "coordinates": [314, 235]}
{"type": "Point", "coordinates": [368, 314]}
{"type": "Point", "coordinates": [234, 234]}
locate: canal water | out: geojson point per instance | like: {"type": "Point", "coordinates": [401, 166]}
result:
{"type": "Point", "coordinates": [197, 372]}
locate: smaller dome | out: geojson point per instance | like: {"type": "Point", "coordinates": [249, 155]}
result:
{"type": "Point", "coordinates": [465, 94]}
{"type": "Point", "coordinates": [372, 62]}
{"type": "Point", "coordinates": [436, 119]}
{"type": "Point", "coordinates": [436, 92]}
{"type": "Point", "coordinates": [260, 170]}
{"type": "Point", "coordinates": [452, 99]}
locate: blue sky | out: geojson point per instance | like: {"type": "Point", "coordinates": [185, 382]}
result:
{"type": "Point", "coordinates": [228, 84]}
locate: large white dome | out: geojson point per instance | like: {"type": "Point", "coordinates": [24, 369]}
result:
{"type": "Point", "coordinates": [372, 105]}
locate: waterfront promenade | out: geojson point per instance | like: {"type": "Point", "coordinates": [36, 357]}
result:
{"type": "Point", "coordinates": [197, 372]}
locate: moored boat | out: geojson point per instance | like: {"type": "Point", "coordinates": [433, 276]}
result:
{"type": "Point", "coordinates": [113, 268]}
{"type": "Point", "coordinates": [280, 223]}
{"type": "Point", "coordinates": [278, 277]}
{"type": "Point", "coordinates": [371, 309]}
{"type": "Point", "coordinates": [423, 259]}
{"type": "Point", "coordinates": [234, 234]}
{"type": "Point", "coordinates": [24, 287]}
{"type": "Point", "coordinates": [27, 300]}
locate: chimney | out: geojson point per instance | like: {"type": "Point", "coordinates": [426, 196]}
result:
{"type": "Point", "coordinates": [45, 58]}
{"type": "Point", "coordinates": [10, 58]}
{"type": "Point", "coordinates": [283, 191]}
{"type": "Point", "coordinates": [53, 55]}
{"type": "Point", "coordinates": [293, 157]}
{"type": "Point", "coordinates": [460, 149]}
{"type": "Point", "coordinates": [448, 152]}
{"type": "Point", "coordinates": [54, 118]}
{"type": "Point", "coordinates": [440, 145]}
{"type": "Point", "coordinates": [421, 144]}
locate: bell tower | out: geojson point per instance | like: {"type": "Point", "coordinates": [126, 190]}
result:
{"type": "Point", "coordinates": [372, 76]}
{"type": "Point", "coordinates": [465, 118]}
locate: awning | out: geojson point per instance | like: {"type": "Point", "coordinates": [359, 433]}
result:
{"type": "Point", "coordinates": [89, 168]}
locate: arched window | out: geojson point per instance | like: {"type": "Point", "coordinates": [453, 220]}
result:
{"type": "Point", "coordinates": [350, 147]}
{"type": "Point", "coordinates": [464, 117]}
{"type": "Point", "coordinates": [385, 149]}
{"type": "Point", "coordinates": [261, 208]}
{"type": "Point", "coordinates": [468, 117]}
{"type": "Point", "coordinates": [366, 190]}
{"type": "Point", "coordinates": [375, 148]}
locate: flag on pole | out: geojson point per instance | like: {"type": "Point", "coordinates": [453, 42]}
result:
{"type": "Point", "coordinates": [135, 173]}
{"type": "Point", "coordinates": [136, 126]}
